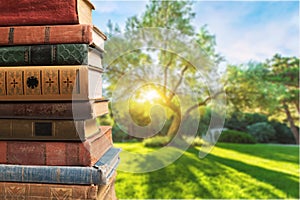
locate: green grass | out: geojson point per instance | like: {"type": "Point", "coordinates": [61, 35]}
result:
{"type": "Point", "coordinates": [229, 171]}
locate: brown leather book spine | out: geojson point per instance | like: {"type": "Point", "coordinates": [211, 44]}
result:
{"type": "Point", "coordinates": [78, 110]}
{"type": "Point", "coordinates": [53, 110]}
{"type": "Point", "coordinates": [35, 191]}
{"type": "Point", "coordinates": [30, 35]}
{"type": "Point", "coordinates": [37, 12]}
{"type": "Point", "coordinates": [56, 153]}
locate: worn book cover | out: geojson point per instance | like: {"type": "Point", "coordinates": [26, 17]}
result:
{"type": "Point", "coordinates": [55, 54]}
{"type": "Point", "coordinates": [65, 130]}
{"type": "Point", "coordinates": [39, 12]}
{"type": "Point", "coordinates": [80, 153]}
{"type": "Point", "coordinates": [76, 82]}
{"type": "Point", "coordinates": [36, 191]}
{"type": "Point", "coordinates": [72, 110]}
{"type": "Point", "coordinates": [100, 174]}
{"type": "Point", "coordinates": [60, 34]}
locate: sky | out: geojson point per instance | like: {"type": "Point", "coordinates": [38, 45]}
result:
{"type": "Point", "coordinates": [245, 30]}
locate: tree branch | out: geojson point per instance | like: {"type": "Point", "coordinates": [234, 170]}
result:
{"type": "Point", "coordinates": [178, 83]}
{"type": "Point", "coordinates": [166, 74]}
{"type": "Point", "coordinates": [190, 109]}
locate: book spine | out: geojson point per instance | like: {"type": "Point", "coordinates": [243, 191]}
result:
{"type": "Point", "coordinates": [13, 129]}
{"type": "Point", "coordinates": [50, 12]}
{"type": "Point", "coordinates": [52, 174]}
{"type": "Point", "coordinates": [40, 110]}
{"type": "Point", "coordinates": [35, 191]}
{"type": "Point", "coordinates": [49, 83]}
{"type": "Point", "coordinates": [56, 153]}
{"type": "Point", "coordinates": [62, 54]}
{"type": "Point", "coordinates": [31, 35]}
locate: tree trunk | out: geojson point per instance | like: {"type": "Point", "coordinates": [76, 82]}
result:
{"type": "Point", "coordinates": [291, 122]}
{"type": "Point", "coordinates": [173, 128]}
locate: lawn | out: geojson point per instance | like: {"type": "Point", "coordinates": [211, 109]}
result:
{"type": "Point", "coordinates": [229, 171]}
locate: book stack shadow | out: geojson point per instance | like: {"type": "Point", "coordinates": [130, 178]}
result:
{"type": "Point", "coordinates": [52, 145]}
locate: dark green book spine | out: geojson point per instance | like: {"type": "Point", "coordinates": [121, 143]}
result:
{"type": "Point", "coordinates": [60, 54]}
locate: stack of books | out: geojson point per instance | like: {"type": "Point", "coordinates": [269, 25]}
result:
{"type": "Point", "coordinates": [51, 146]}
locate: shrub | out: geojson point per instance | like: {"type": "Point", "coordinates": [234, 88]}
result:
{"type": "Point", "coordinates": [233, 136]}
{"type": "Point", "coordinates": [283, 133]}
{"type": "Point", "coordinates": [197, 142]}
{"type": "Point", "coordinates": [157, 141]}
{"type": "Point", "coordinates": [263, 132]}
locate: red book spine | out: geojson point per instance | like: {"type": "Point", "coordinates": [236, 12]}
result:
{"type": "Point", "coordinates": [30, 35]}
{"type": "Point", "coordinates": [57, 153]}
{"type": "Point", "coordinates": [38, 12]}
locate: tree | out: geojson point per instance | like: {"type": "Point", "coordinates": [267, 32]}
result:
{"type": "Point", "coordinates": [177, 73]}
{"type": "Point", "coordinates": [270, 88]}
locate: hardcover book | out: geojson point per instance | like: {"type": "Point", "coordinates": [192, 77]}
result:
{"type": "Point", "coordinates": [19, 129]}
{"type": "Point", "coordinates": [60, 54]}
{"type": "Point", "coordinates": [76, 82]}
{"type": "Point", "coordinates": [72, 110]}
{"type": "Point", "coordinates": [36, 191]}
{"type": "Point", "coordinates": [38, 12]}
{"type": "Point", "coordinates": [62, 34]}
{"type": "Point", "coordinates": [58, 153]}
{"type": "Point", "coordinates": [99, 174]}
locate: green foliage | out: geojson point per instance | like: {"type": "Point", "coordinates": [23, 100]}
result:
{"type": "Point", "coordinates": [283, 134]}
{"type": "Point", "coordinates": [233, 136]}
{"type": "Point", "coordinates": [271, 88]}
{"type": "Point", "coordinates": [239, 121]}
{"type": "Point", "coordinates": [263, 132]}
{"type": "Point", "coordinates": [157, 141]}
{"type": "Point", "coordinates": [198, 142]}
{"type": "Point", "coordinates": [230, 171]}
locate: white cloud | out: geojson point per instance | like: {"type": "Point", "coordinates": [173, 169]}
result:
{"type": "Point", "coordinates": [245, 33]}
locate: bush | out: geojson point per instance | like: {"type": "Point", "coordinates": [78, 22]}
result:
{"type": "Point", "coordinates": [283, 133]}
{"type": "Point", "coordinates": [198, 142]}
{"type": "Point", "coordinates": [157, 141]}
{"type": "Point", "coordinates": [263, 132]}
{"type": "Point", "coordinates": [236, 137]}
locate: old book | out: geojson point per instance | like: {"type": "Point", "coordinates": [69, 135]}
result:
{"type": "Point", "coordinates": [37, 191]}
{"type": "Point", "coordinates": [66, 130]}
{"type": "Point", "coordinates": [37, 12]}
{"type": "Point", "coordinates": [99, 174]}
{"type": "Point", "coordinates": [107, 192]}
{"type": "Point", "coordinates": [60, 54]}
{"type": "Point", "coordinates": [58, 153]}
{"type": "Point", "coordinates": [72, 110]}
{"type": "Point", "coordinates": [62, 34]}
{"type": "Point", "coordinates": [75, 82]}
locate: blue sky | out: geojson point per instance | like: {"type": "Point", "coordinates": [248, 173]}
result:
{"type": "Point", "coordinates": [244, 30]}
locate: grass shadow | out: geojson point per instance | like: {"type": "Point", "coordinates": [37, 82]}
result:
{"type": "Point", "coordinates": [285, 182]}
{"type": "Point", "coordinates": [271, 152]}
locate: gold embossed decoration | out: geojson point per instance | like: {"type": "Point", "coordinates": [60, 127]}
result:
{"type": "Point", "coordinates": [14, 83]}
{"type": "Point", "coordinates": [68, 80]}
{"type": "Point", "coordinates": [32, 82]}
{"type": "Point", "coordinates": [2, 84]}
{"type": "Point", "coordinates": [50, 81]}
{"type": "Point", "coordinates": [15, 192]}
{"type": "Point", "coordinates": [61, 194]}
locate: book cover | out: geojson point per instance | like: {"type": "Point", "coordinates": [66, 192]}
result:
{"type": "Point", "coordinates": [58, 153]}
{"type": "Point", "coordinates": [41, 55]}
{"type": "Point", "coordinates": [38, 12]}
{"type": "Point", "coordinates": [72, 110]}
{"type": "Point", "coordinates": [98, 174]}
{"type": "Point", "coordinates": [37, 191]}
{"type": "Point", "coordinates": [64, 130]}
{"type": "Point", "coordinates": [60, 34]}
{"type": "Point", "coordinates": [76, 82]}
